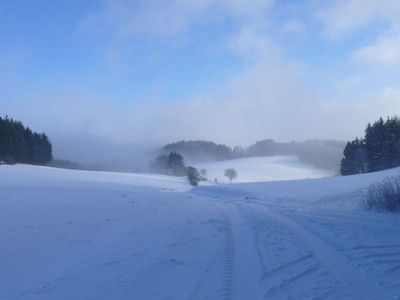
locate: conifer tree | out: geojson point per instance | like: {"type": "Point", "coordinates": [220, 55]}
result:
{"type": "Point", "coordinates": [378, 150]}
{"type": "Point", "coordinates": [19, 144]}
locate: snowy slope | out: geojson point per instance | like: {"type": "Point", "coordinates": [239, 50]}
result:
{"type": "Point", "coordinates": [262, 169]}
{"type": "Point", "coordinates": [37, 176]}
{"type": "Point", "coordinates": [88, 235]}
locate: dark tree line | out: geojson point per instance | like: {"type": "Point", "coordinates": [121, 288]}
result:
{"type": "Point", "coordinates": [19, 144]}
{"type": "Point", "coordinates": [379, 149]}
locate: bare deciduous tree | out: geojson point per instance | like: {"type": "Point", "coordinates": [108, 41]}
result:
{"type": "Point", "coordinates": [231, 174]}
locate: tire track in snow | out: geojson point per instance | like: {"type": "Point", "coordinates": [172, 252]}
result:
{"type": "Point", "coordinates": [216, 279]}
{"type": "Point", "coordinates": [210, 285]}
{"type": "Point", "coordinates": [228, 266]}
{"type": "Point", "coordinates": [247, 275]}
{"type": "Point", "coordinates": [358, 285]}
{"type": "Point", "coordinates": [281, 289]}
{"type": "Point", "coordinates": [287, 273]}
{"type": "Point", "coordinates": [239, 261]}
{"type": "Point", "coordinates": [284, 266]}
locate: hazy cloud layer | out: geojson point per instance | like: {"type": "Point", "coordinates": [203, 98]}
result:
{"type": "Point", "coordinates": [343, 17]}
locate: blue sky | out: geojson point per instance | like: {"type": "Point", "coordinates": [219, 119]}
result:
{"type": "Point", "coordinates": [229, 70]}
{"type": "Point", "coordinates": [49, 38]}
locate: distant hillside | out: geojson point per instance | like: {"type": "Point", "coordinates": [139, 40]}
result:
{"type": "Point", "coordinates": [323, 154]}
{"type": "Point", "coordinates": [199, 150]}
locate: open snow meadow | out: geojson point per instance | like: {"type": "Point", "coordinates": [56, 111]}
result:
{"type": "Point", "coordinates": [97, 235]}
{"type": "Point", "coordinates": [253, 169]}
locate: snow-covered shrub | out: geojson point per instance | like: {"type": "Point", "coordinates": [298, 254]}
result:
{"type": "Point", "coordinates": [384, 195]}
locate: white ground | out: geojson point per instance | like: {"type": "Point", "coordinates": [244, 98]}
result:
{"type": "Point", "coordinates": [87, 235]}
{"type": "Point", "coordinates": [262, 169]}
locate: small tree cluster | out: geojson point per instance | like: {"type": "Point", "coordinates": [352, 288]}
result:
{"type": "Point", "coordinates": [19, 144]}
{"type": "Point", "coordinates": [378, 150]}
{"type": "Point", "coordinates": [171, 164]}
{"type": "Point", "coordinates": [384, 195]}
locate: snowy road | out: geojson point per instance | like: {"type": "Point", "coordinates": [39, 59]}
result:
{"type": "Point", "coordinates": [77, 235]}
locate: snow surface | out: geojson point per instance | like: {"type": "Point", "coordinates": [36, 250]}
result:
{"type": "Point", "coordinates": [256, 169]}
{"type": "Point", "coordinates": [95, 235]}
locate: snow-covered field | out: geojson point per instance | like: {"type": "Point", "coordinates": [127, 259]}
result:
{"type": "Point", "coordinates": [256, 169]}
{"type": "Point", "coordinates": [90, 235]}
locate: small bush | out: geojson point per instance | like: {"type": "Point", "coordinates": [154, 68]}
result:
{"type": "Point", "coordinates": [384, 195]}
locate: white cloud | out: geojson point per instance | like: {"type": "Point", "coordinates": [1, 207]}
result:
{"type": "Point", "coordinates": [344, 16]}
{"type": "Point", "coordinates": [385, 51]}
{"type": "Point", "coordinates": [252, 44]}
